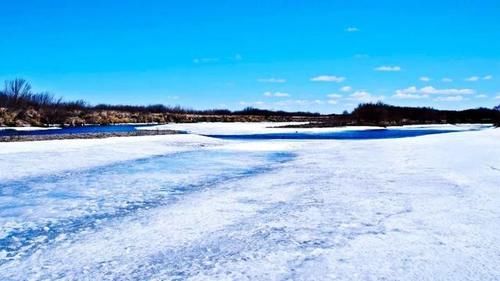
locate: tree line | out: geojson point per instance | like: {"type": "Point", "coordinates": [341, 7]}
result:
{"type": "Point", "coordinates": [18, 95]}
{"type": "Point", "coordinates": [377, 113]}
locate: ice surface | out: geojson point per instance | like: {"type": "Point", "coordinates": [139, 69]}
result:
{"type": "Point", "coordinates": [19, 159]}
{"type": "Point", "coordinates": [423, 208]}
{"type": "Point", "coordinates": [234, 128]}
{"type": "Point", "coordinates": [247, 128]}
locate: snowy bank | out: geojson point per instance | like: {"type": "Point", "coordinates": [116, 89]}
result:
{"type": "Point", "coordinates": [21, 129]}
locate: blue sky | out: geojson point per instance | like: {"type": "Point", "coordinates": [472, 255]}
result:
{"type": "Point", "coordinates": [323, 56]}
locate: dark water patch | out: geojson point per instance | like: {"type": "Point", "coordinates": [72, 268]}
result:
{"type": "Point", "coordinates": [339, 135]}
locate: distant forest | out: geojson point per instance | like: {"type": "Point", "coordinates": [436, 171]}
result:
{"type": "Point", "coordinates": [377, 113]}
{"type": "Point", "coordinates": [20, 106]}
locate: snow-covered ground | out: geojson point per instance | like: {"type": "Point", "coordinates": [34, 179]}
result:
{"type": "Point", "coordinates": [186, 207]}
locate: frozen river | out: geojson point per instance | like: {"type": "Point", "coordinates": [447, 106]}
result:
{"type": "Point", "coordinates": [187, 207]}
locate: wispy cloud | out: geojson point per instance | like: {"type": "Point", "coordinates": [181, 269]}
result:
{"type": "Point", "coordinates": [361, 56]}
{"type": "Point", "coordinates": [328, 78]}
{"type": "Point", "coordinates": [271, 80]}
{"type": "Point", "coordinates": [364, 96]}
{"type": "Point", "coordinates": [237, 57]}
{"type": "Point", "coordinates": [205, 60]}
{"type": "Point", "coordinates": [482, 96]}
{"type": "Point", "coordinates": [447, 80]}
{"type": "Point", "coordinates": [299, 102]}
{"type": "Point", "coordinates": [276, 94]}
{"type": "Point", "coordinates": [425, 79]}
{"type": "Point", "coordinates": [476, 78]}
{"type": "Point", "coordinates": [346, 89]}
{"type": "Point", "coordinates": [255, 103]}
{"type": "Point", "coordinates": [472, 79]}
{"type": "Point", "coordinates": [429, 90]}
{"type": "Point", "coordinates": [333, 98]}
{"type": "Point", "coordinates": [497, 97]}
{"type": "Point", "coordinates": [450, 98]}
{"type": "Point", "coordinates": [352, 29]}
{"type": "Point", "coordinates": [388, 68]}
{"type": "Point", "coordinates": [403, 95]}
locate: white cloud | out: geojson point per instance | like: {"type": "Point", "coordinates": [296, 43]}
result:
{"type": "Point", "coordinates": [276, 94]}
{"type": "Point", "coordinates": [346, 89]}
{"type": "Point", "coordinates": [255, 103]}
{"type": "Point", "coordinates": [472, 79]}
{"type": "Point", "coordinates": [299, 102]}
{"type": "Point", "coordinates": [482, 96]}
{"type": "Point", "coordinates": [352, 29]}
{"type": "Point", "coordinates": [364, 96]}
{"type": "Point", "coordinates": [450, 98]}
{"type": "Point", "coordinates": [447, 80]}
{"type": "Point", "coordinates": [332, 101]}
{"type": "Point", "coordinates": [451, 91]}
{"type": "Point", "coordinates": [425, 79]}
{"type": "Point", "coordinates": [497, 97]}
{"type": "Point", "coordinates": [429, 90]}
{"type": "Point", "coordinates": [271, 80]}
{"type": "Point", "coordinates": [488, 77]}
{"type": "Point", "coordinates": [328, 78]}
{"type": "Point", "coordinates": [403, 95]}
{"type": "Point", "coordinates": [388, 68]}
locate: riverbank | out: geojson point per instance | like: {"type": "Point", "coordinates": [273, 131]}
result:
{"type": "Point", "coordinates": [21, 138]}
{"type": "Point", "coordinates": [82, 117]}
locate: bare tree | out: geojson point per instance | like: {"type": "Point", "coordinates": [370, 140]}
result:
{"type": "Point", "coordinates": [18, 91]}
{"type": "Point", "coordinates": [17, 87]}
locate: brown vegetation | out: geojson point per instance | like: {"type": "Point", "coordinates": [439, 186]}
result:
{"type": "Point", "coordinates": [19, 106]}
